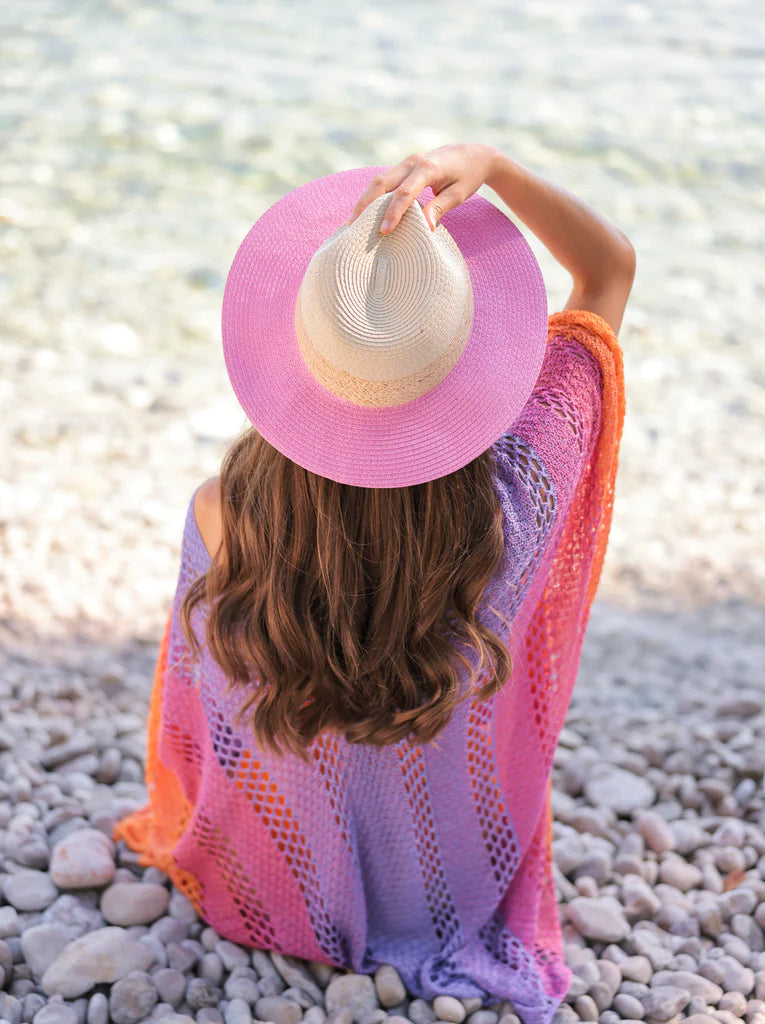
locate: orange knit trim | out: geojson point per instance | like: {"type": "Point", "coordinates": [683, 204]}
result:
{"type": "Point", "coordinates": [155, 830]}
{"type": "Point", "coordinates": [598, 338]}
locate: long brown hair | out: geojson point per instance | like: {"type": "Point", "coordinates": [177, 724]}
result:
{"type": "Point", "coordinates": [340, 606]}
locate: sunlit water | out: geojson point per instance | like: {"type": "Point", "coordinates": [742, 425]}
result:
{"type": "Point", "coordinates": [141, 142]}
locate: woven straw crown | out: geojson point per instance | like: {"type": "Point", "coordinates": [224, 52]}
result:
{"type": "Point", "coordinates": [381, 319]}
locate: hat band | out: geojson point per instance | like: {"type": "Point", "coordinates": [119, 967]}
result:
{"type": "Point", "coordinates": [383, 393]}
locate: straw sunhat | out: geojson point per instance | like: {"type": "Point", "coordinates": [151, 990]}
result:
{"type": "Point", "coordinates": [382, 360]}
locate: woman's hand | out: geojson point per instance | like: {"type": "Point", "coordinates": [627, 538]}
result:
{"type": "Point", "coordinates": [453, 172]}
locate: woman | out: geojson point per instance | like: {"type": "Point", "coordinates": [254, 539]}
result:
{"type": "Point", "coordinates": [382, 599]}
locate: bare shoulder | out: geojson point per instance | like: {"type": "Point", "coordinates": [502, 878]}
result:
{"type": "Point", "coordinates": [207, 512]}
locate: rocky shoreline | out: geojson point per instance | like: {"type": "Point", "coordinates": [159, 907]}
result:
{"type": "Point", "coordinates": [659, 848]}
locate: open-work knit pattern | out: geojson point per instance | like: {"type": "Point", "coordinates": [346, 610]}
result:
{"type": "Point", "coordinates": [435, 858]}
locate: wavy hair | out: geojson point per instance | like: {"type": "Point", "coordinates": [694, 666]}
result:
{"type": "Point", "coordinates": [344, 607]}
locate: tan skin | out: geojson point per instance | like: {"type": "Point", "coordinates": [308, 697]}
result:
{"type": "Point", "coordinates": [599, 257]}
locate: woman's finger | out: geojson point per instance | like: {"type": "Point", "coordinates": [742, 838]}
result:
{"type": "Point", "coordinates": [446, 200]}
{"type": "Point", "coordinates": [423, 173]}
{"type": "Point", "coordinates": [387, 181]}
{"type": "Point", "coordinates": [379, 185]}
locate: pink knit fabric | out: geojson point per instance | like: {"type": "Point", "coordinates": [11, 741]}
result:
{"type": "Point", "coordinates": [434, 858]}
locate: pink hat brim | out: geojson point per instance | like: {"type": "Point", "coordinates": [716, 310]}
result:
{"type": "Point", "coordinates": [401, 445]}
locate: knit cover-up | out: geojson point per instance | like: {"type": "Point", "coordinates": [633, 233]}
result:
{"type": "Point", "coordinates": [435, 858]}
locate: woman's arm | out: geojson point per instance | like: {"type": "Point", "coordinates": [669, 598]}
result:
{"type": "Point", "coordinates": [599, 257]}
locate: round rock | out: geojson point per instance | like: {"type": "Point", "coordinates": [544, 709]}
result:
{"type": "Point", "coordinates": [98, 1009]}
{"type": "Point", "coordinates": [595, 919]}
{"type": "Point", "coordinates": [171, 985]}
{"type": "Point", "coordinates": [82, 859]}
{"type": "Point", "coordinates": [129, 903]}
{"type": "Point", "coordinates": [181, 908]}
{"type": "Point", "coordinates": [679, 873]}
{"type": "Point", "coordinates": [483, 1017]}
{"type": "Point", "coordinates": [56, 1013]}
{"type": "Point", "coordinates": [30, 1004]}
{"type": "Point", "coordinates": [74, 914]}
{"type": "Point", "coordinates": [11, 1008]}
{"type": "Point", "coordinates": [663, 1001]}
{"type": "Point", "coordinates": [132, 998]}
{"type": "Point", "coordinates": [314, 1015]}
{"type": "Point", "coordinates": [696, 984]}
{"type": "Point", "coordinates": [449, 1008]}
{"type": "Point", "coordinates": [237, 1012]}
{"type": "Point", "coordinates": [29, 890]}
{"type": "Point", "coordinates": [103, 955]}
{"type": "Point", "coordinates": [390, 987]}
{"type": "Point", "coordinates": [628, 1006]}
{"type": "Point", "coordinates": [656, 832]}
{"type": "Point", "coordinates": [201, 993]}
{"type": "Point", "coordinates": [278, 1010]}
{"type": "Point", "coordinates": [354, 992]}
{"type": "Point", "coordinates": [210, 967]}
{"type": "Point", "coordinates": [624, 792]}
{"type": "Point", "coordinates": [41, 944]}
{"type": "Point", "coordinates": [421, 1012]}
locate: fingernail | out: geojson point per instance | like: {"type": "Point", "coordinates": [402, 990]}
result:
{"type": "Point", "coordinates": [385, 225]}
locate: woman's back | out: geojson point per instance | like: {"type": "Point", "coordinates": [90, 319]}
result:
{"type": "Point", "coordinates": [433, 857]}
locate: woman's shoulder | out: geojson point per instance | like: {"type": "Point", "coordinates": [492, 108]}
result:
{"type": "Point", "coordinates": [208, 514]}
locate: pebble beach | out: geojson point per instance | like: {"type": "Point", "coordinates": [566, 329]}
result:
{"type": "Point", "coordinates": [140, 143]}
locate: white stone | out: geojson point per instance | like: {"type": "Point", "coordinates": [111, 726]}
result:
{"type": "Point", "coordinates": [315, 1015]}
{"type": "Point", "coordinates": [132, 998]}
{"type": "Point", "coordinates": [82, 859]}
{"type": "Point", "coordinates": [237, 1012]}
{"type": "Point", "coordinates": [129, 903]}
{"type": "Point", "coordinates": [98, 1009]}
{"type": "Point", "coordinates": [171, 985]}
{"type": "Point", "coordinates": [278, 1010]}
{"type": "Point", "coordinates": [694, 983]}
{"type": "Point", "coordinates": [449, 1008]}
{"type": "Point", "coordinates": [655, 830]}
{"type": "Point", "coordinates": [664, 1001]}
{"type": "Point", "coordinates": [596, 919]}
{"type": "Point", "coordinates": [679, 873]}
{"type": "Point", "coordinates": [29, 890]}
{"type": "Point", "coordinates": [355, 992]}
{"type": "Point", "coordinates": [56, 1013]}
{"type": "Point", "coordinates": [390, 987]}
{"type": "Point", "coordinates": [618, 789]}
{"type": "Point", "coordinates": [41, 944]}
{"type": "Point", "coordinates": [181, 908]}
{"type": "Point", "coordinates": [103, 955]}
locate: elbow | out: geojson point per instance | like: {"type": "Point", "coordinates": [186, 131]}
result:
{"type": "Point", "coordinates": [616, 264]}
{"type": "Point", "coordinates": [625, 260]}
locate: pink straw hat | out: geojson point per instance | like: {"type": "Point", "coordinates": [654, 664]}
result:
{"type": "Point", "coordinates": [382, 360]}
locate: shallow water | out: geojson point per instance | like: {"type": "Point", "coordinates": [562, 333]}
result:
{"type": "Point", "coordinates": [141, 142]}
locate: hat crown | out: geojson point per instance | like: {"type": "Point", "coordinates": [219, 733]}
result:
{"type": "Point", "coordinates": [382, 318]}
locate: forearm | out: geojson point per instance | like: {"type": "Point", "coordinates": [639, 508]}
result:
{"type": "Point", "coordinates": [582, 240]}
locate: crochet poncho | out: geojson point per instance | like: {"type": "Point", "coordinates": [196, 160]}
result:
{"type": "Point", "coordinates": [434, 858]}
